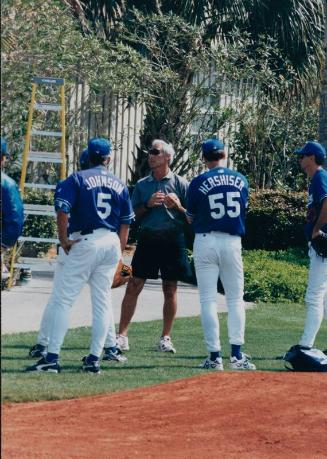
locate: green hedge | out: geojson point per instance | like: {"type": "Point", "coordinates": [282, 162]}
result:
{"type": "Point", "coordinates": [275, 220]}
{"type": "Point", "coordinates": [275, 277]}
{"type": "Point", "coordinates": [38, 225]}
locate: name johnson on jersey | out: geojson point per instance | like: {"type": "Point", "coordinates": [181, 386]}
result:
{"type": "Point", "coordinates": [103, 180]}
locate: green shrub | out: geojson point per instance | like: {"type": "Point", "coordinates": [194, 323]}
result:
{"type": "Point", "coordinates": [275, 220]}
{"type": "Point", "coordinates": [38, 225]}
{"type": "Point", "coordinates": [276, 277]}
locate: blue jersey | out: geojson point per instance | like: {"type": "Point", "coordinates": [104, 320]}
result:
{"type": "Point", "coordinates": [94, 198]}
{"type": "Point", "coordinates": [317, 194]}
{"type": "Point", "coordinates": [217, 201]}
{"type": "Point", "coordinates": [12, 211]}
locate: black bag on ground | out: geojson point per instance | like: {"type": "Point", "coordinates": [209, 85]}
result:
{"type": "Point", "coordinates": [305, 359]}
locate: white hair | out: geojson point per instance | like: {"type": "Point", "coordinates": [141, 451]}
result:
{"type": "Point", "coordinates": [167, 148]}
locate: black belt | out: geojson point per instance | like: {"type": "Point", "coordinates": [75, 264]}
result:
{"type": "Point", "coordinates": [87, 231]}
{"type": "Point", "coordinates": [90, 231]}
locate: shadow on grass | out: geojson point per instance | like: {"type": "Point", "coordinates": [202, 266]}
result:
{"type": "Point", "coordinates": [15, 346]}
{"type": "Point", "coordinates": [14, 357]}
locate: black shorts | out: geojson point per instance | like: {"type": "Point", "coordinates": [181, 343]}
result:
{"type": "Point", "coordinates": [162, 252]}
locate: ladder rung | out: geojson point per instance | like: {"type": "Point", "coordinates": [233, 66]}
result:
{"type": "Point", "coordinates": [46, 133]}
{"type": "Point", "coordinates": [38, 239]}
{"type": "Point", "coordinates": [40, 185]}
{"type": "Point", "coordinates": [47, 107]}
{"type": "Point", "coordinates": [48, 80]}
{"type": "Point", "coordinates": [39, 209]}
{"type": "Point", "coordinates": [45, 157]}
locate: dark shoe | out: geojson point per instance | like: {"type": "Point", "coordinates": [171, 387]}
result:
{"type": "Point", "coordinates": [90, 367]}
{"type": "Point", "coordinates": [112, 356]}
{"type": "Point", "coordinates": [44, 366]}
{"type": "Point", "coordinates": [38, 350]}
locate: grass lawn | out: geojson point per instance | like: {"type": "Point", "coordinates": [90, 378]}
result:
{"type": "Point", "coordinates": [271, 329]}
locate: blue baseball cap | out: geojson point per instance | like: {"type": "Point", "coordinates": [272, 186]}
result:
{"type": "Point", "coordinates": [212, 145]}
{"type": "Point", "coordinates": [84, 159]}
{"type": "Point", "coordinates": [4, 151]}
{"type": "Point", "coordinates": [313, 148]}
{"type": "Point", "coordinates": [99, 147]}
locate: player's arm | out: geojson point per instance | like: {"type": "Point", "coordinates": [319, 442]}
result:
{"type": "Point", "coordinates": [123, 236]}
{"type": "Point", "coordinates": [322, 220]}
{"type": "Point", "coordinates": [190, 199]}
{"type": "Point", "coordinates": [63, 202]}
{"type": "Point", "coordinates": [62, 225]}
{"type": "Point", "coordinates": [12, 214]}
{"type": "Point", "coordinates": [126, 217]}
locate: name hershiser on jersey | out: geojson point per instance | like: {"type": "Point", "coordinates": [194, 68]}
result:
{"type": "Point", "coordinates": [220, 180]}
{"type": "Point", "coordinates": [94, 198]}
{"type": "Point", "coordinates": [217, 201]}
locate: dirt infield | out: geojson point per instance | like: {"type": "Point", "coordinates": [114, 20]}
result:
{"type": "Point", "coordinates": [217, 415]}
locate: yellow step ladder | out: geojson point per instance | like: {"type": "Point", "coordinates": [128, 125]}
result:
{"type": "Point", "coordinates": [31, 154]}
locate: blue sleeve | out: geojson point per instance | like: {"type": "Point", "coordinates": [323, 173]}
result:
{"type": "Point", "coordinates": [66, 194]}
{"type": "Point", "coordinates": [190, 198]}
{"type": "Point", "coordinates": [12, 213]}
{"type": "Point", "coordinates": [127, 213]}
{"type": "Point", "coordinates": [245, 192]}
{"type": "Point", "coordinates": [321, 188]}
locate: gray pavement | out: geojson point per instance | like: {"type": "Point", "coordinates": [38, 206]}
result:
{"type": "Point", "coordinates": [23, 305]}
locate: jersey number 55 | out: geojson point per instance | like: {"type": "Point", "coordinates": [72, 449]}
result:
{"type": "Point", "coordinates": [219, 208]}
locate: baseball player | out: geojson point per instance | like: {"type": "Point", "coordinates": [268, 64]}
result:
{"type": "Point", "coordinates": [159, 201]}
{"type": "Point", "coordinates": [217, 201]}
{"type": "Point", "coordinates": [12, 207]}
{"type": "Point", "coordinates": [111, 353]}
{"type": "Point", "coordinates": [311, 158]}
{"type": "Point", "coordinates": [99, 207]}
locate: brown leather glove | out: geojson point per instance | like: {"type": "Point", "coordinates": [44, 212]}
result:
{"type": "Point", "coordinates": [122, 274]}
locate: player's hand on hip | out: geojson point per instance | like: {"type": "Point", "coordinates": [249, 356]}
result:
{"type": "Point", "coordinates": [68, 244]}
{"type": "Point", "coordinates": [156, 199]}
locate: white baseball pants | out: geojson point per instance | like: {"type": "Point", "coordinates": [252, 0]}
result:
{"type": "Point", "coordinates": [46, 321]}
{"type": "Point", "coordinates": [94, 259]}
{"type": "Point", "coordinates": [315, 298]}
{"type": "Point", "coordinates": [220, 254]}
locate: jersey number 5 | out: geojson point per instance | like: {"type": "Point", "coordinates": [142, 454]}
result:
{"type": "Point", "coordinates": [104, 205]}
{"type": "Point", "coordinates": [219, 209]}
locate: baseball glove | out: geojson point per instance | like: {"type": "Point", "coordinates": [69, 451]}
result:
{"type": "Point", "coordinates": [122, 275]}
{"type": "Point", "coordinates": [319, 243]}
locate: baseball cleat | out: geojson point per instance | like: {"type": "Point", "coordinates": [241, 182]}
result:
{"type": "Point", "coordinates": [113, 356]}
{"type": "Point", "coordinates": [122, 342]}
{"type": "Point", "coordinates": [90, 367]}
{"type": "Point", "coordinates": [165, 345]}
{"type": "Point", "coordinates": [37, 351]}
{"type": "Point", "coordinates": [44, 366]}
{"type": "Point", "coordinates": [209, 364]}
{"type": "Point", "coordinates": [242, 364]}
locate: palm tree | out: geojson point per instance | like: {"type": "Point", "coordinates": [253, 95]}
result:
{"type": "Point", "coordinates": [296, 26]}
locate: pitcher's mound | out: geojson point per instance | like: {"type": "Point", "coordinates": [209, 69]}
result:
{"type": "Point", "coordinates": [217, 415]}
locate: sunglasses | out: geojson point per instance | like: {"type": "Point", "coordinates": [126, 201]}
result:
{"type": "Point", "coordinates": [154, 152]}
